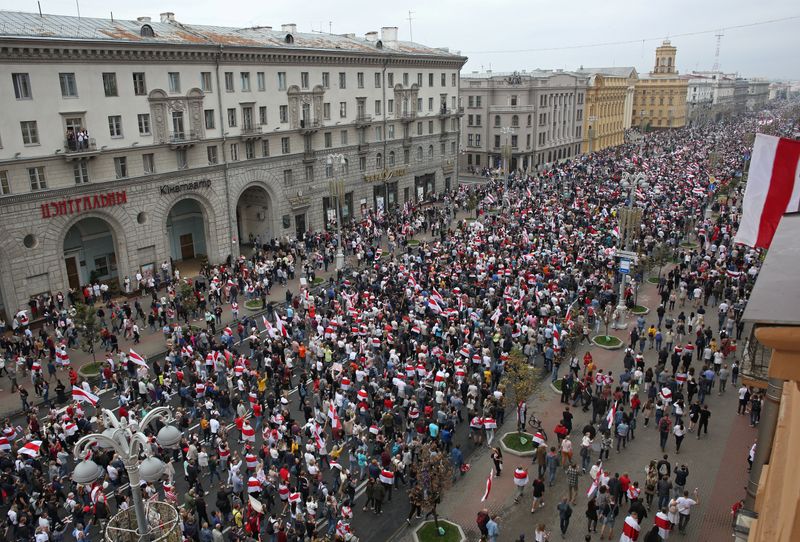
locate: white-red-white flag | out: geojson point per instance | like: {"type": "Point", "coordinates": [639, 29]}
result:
{"type": "Point", "coordinates": [136, 358]}
{"type": "Point", "coordinates": [488, 486]}
{"type": "Point", "coordinates": [80, 394]}
{"type": "Point", "coordinates": [773, 188]}
{"type": "Point", "coordinates": [31, 448]}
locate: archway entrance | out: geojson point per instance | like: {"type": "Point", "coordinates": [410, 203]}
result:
{"type": "Point", "coordinates": [186, 231]}
{"type": "Point", "coordinates": [253, 217]}
{"type": "Point", "coordinates": [90, 252]}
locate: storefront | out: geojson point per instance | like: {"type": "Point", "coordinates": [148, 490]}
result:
{"type": "Point", "coordinates": [424, 185]}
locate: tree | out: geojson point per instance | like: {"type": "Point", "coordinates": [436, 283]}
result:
{"type": "Point", "coordinates": [434, 477]}
{"type": "Point", "coordinates": [662, 254]}
{"type": "Point", "coordinates": [188, 299]}
{"type": "Point", "coordinates": [519, 376]}
{"type": "Point", "coordinates": [87, 325]}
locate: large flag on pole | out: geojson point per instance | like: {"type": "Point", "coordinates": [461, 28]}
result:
{"type": "Point", "coordinates": [488, 486]}
{"type": "Point", "coordinates": [80, 394]}
{"type": "Point", "coordinates": [136, 358]}
{"type": "Point", "coordinates": [773, 188]}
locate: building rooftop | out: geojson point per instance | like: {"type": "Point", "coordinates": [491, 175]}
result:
{"type": "Point", "coordinates": [14, 24]}
{"type": "Point", "coordinates": [524, 74]}
{"type": "Point", "coordinates": [622, 71]}
{"type": "Point", "coordinates": [776, 295]}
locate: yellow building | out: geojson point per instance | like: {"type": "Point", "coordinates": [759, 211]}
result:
{"type": "Point", "coordinates": [609, 107]}
{"type": "Point", "coordinates": [660, 99]}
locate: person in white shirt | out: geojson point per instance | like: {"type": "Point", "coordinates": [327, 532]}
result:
{"type": "Point", "coordinates": [684, 505]}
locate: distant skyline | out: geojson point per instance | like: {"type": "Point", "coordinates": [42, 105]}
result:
{"type": "Point", "coordinates": [502, 35]}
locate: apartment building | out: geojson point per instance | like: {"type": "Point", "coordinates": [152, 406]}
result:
{"type": "Point", "coordinates": [125, 144]}
{"type": "Point", "coordinates": [609, 106]}
{"type": "Point", "coordinates": [533, 117]}
{"type": "Point", "coordinates": [660, 98]}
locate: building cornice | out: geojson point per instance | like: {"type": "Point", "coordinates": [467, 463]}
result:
{"type": "Point", "coordinates": [24, 50]}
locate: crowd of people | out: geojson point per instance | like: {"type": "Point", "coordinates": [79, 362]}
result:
{"type": "Point", "coordinates": [345, 383]}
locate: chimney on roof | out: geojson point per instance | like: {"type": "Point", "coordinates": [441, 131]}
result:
{"type": "Point", "coordinates": [143, 19]}
{"type": "Point", "coordinates": [371, 36]}
{"type": "Point", "coordinates": [389, 34]}
{"type": "Point", "coordinates": [168, 17]}
{"type": "Point", "coordinates": [289, 28]}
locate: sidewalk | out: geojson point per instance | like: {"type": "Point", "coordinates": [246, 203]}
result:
{"type": "Point", "coordinates": [716, 465]}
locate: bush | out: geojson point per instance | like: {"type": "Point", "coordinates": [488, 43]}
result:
{"type": "Point", "coordinates": [640, 309]}
{"type": "Point", "coordinates": [609, 341]}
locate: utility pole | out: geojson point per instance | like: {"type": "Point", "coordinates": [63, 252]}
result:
{"type": "Point", "coordinates": [719, 35]}
{"type": "Point", "coordinates": [410, 29]}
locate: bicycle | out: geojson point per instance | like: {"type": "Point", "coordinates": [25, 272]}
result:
{"type": "Point", "coordinates": [536, 424]}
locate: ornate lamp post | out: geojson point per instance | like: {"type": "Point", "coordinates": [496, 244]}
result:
{"type": "Point", "coordinates": [130, 443]}
{"type": "Point", "coordinates": [336, 188]}
{"type": "Point", "coordinates": [506, 150]}
{"type": "Point", "coordinates": [630, 218]}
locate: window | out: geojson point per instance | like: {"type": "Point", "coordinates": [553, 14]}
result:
{"type": "Point", "coordinates": [406, 156]}
{"type": "Point", "coordinates": [328, 171]}
{"type": "Point", "coordinates": [174, 81]}
{"type": "Point", "coordinates": [80, 170]}
{"type": "Point", "coordinates": [326, 111]}
{"type": "Point", "coordinates": [469, 140]}
{"type": "Point", "coordinates": [303, 79]}
{"type": "Point", "coordinates": [285, 148]}
{"type": "Point", "coordinates": [283, 113]}
{"type": "Point", "coordinates": [430, 126]}
{"type": "Point", "coordinates": [232, 117]}
{"type": "Point", "coordinates": [478, 101]}
{"type": "Point", "coordinates": [390, 106]}
{"type": "Point", "coordinates": [543, 100]}
{"type": "Point", "coordinates": [343, 137]}
{"type": "Point", "coordinates": [379, 133]}
{"type": "Point", "coordinates": [36, 175]}
{"type": "Point", "coordinates": [391, 158]}
{"type": "Point", "coordinates": [228, 81]}
{"type": "Point", "coordinates": [419, 104]}
{"type": "Point", "coordinates": [377, 107]}
{"type": "Point", "coordinates": [390, 79]}
{"type": "Point", "coordinates": [309, 171]}
{"type": "Point", "coordinates": [453, 82]}
{"type": "Point", "coordinates": [262, 114]}
{"type": "Point", "coordinates": [110, 84]}
{"type": "Point", "coordinates": [287, 176]}
{"type": "Point", "coordinates": [377, 79]}
{"type": "Point", "coordinates": [261, 81]}
{"type": "Point", "coordinates": [362, 163]}
{"type": "Point", "coordinates": [30, 132]}
{"type": "Point", "coordinates": [477, 120]}
{"type": "Point", "coordinates": [515, 120]}
{"type": "Point", "coordinates": [148, 163]}
{"type": "Point", "coordinates": [69, 89]}
{"type": "Point", "coordinates": [470, 120]}
{"type": "Point", "coordinates": [430, 151]}
{"type": "Point", "coordinates": [208, 114]}
{"type": "Point", "coordinates": [326, 80]}
{"type": "Point", "coordinates": [115, 125]}
{"type": "Point", "coordinates": [5, 188]}
{"type": "Point", "coordinates": [342, 109]}
{"type": "Point", "coordinates": [430, 104]}
{"type": "Point", "coordinates": [444, 80]}
{"type": "Point", "coordinates": [443, 148]}
{"type": "Point", "coordinates": [250, 150]}
{"type": "Point", "coordinates": [430, 79]}
{"type": "Point", "coordinates": [22, 86]}
{"type": "Point", "coordinates": [265, 147]}
{"type": "Point", "coordinates": [477, 140]}
{"type": "Point", "coordinates": [360, 79]}
{"type": "Point", "coordinates": [390, 131]}
{"type": "Point", "coordinates": [245, 79]}
{"type": "Point", "coordinates": [579, 115]}
{"type": "Point", "coordinates": [513, 99]}
{"type": "Point", "coordinates": [281, 80]}
{"type": "Point", "coordinates": [497, 121]}
{"type": "Point", "coordinates": [419, 154]}
{"type": "Point", "coordinates": [234, 152]}
{"type": "Point", "coordinates": [529, 120]}
{"type": "Point", "coordinates": [419, 128]}
{"type": "Point", "coordinates": [342, 80]}
{"type": "Point", "coordinates": [143, 120]}
{"type": "Point", "coordinates": [205, 82]}
{"type": "Point", "coordinates": [419, 80]}
{"type": "Point", "coordinates": [328, 137]}
{"type": "Point", "coordinates": [580, 98]}
{"type": "Point", "coordinates": [121, 167]}
{"type": "Point", "coordinates": [379, 161]}
{"type": "Point", "coordinates": [514, 141]}
{"type": "Point", "coordinates": [182, 159]}
{"type": "Point", "coordinates": [497, 142]}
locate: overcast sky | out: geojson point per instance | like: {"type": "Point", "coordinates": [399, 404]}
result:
{"type": "Point", "coordinates": [483, 29]}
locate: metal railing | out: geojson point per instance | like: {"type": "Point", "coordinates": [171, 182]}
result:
{"type": "Point", "coordinates": [180, 137]}
{"type": "Point", "coordinates": [251, 130]}
{"type": "Point", "coordinates": [755, 358]}
{"type": "Point", "coordinates": [363, 119]}
{"type": "Point", "coordinates": [73, 146]}
{"type": "Point", "coordinates": [308, 124]}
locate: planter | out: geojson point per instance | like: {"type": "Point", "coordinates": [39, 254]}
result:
{"type": "Point", "coordinates": [689, 244]}
{"type": "Point", "coordinates": [556, 386]}
{"type": "Point", "coordinates": [412, 243]}
{"type": "Point", "coordinates": [451, 532]}
{"type": "Point", "coordinates": [654, 280]}
{"type": "Point", "coordinates": [608, 343]}
{"type": "Point", "coordinates": [640, 310]}
{"type": "Point", "coordinates": [253, 305]}
{"type": "Point", "coordinates": [317, 281]}
{"type": "Point", "coordinates": [91, 372]}
{"type": "Point", "coordinates": [511, 443]}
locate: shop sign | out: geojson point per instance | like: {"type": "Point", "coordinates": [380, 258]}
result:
{"type": "Point", "coordinates": [82, 204]}
{"type": "Point", "coordinates": [168, 189]}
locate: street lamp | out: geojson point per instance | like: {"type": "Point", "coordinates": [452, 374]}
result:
{"type": "Point", "coordinates": [506, 131]}
{"type": "Point", "coordinates": [129, 442]}
{"type": "Point", "coordinates": [336, 188]}
{"type": "Point", "coordinates": [630, 218]}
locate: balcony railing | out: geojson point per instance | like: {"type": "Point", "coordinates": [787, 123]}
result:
{"type": "Point", "coordinates": [362, 119]}
{"type": "Point", "coordinates": [306, 124]}
{"type": "Point", "coordinates": [183, 137]}
{"type": "Point", "coordinates": [407, 116]}
{"type": "Point", "coordinates": [755, 359]}
{"type": "Point", "coordinates": [251, 130]}
{"type": "Point", "coordinates": [72, 146]}
{"type": "Point", "coordinates": [511, 108]}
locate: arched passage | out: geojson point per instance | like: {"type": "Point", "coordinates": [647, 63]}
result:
{"type": "Point", "coordinates": [186, 231]}
{"type": "Point", "coordinates": [90, 252]}
{"type": "Point", "coordinates": [254, 216]}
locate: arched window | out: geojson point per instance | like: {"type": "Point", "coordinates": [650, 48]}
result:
{"type": "Point", "coordinates": [529, 120]}
{"type": "Point", "coordinates": [515, 120]}
{"type": "Point", "coordinates": [391, 158]}
{"type": "Point", "coordinates": [430, 152]}
{"type": "Point", "coordinates": [147, 31]}
{"type": "Point", "coordinates": [419, 154]}
{"type": "Point", "coordinates": [289, 38]}
{"type": "Point", "coordinates": [379, 161]}
{"type": "Point", "coordinates": [497, 120]}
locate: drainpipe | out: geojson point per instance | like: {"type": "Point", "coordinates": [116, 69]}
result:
{"type": "Point", "coordinates": [766, 433]}
{"type": "Point", "coordinates": [385, 156]}
{"type": "Point", "coordinates": [231, 226]}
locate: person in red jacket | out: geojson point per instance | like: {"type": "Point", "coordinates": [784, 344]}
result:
{"type": "Point", "coordinates": [625, 482]}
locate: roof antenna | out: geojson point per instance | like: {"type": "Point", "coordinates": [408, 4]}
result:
{"type": "Point", "coordinates": [112, 16]}
{"type": "Point", "coordinates": [78, 4]}
{"type": "Point", "coordinates": [410, 29]}
{"type": "Point", "coordinates": [40, 8]}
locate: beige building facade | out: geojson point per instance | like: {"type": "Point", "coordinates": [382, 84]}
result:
{"type": "Point", "coordinates": [126, 144]}
{"type": "Point", "coordinates": [609, 107]}
{"type": "Point", "coordinates": [660, 98]}
{"type": "Point", "coordinates": [537, 116]}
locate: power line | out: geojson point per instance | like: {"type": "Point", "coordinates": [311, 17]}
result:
{"type": "Point", "coordinates": [627, 42]}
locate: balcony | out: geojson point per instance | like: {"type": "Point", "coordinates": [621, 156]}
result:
{"type": "Point", "coordinates": [251, 132]}
{"type": "Point", "coordinates": [309, 126]}
{"type": "Point", "coordinates": [178, 140]}
{"type": "Point", "coordinates": [72, 151]}
{"type": "Point", "coordinates": [444, 112]}
{"type": "Point", "coordinates": [511, 109]}
{"type": "Point", "coordinates": [407, 116]}
{"type": "Point", "coordinates": [309, 157]}
{"type": "Point", "coordinates": [363, 148]}
{"type": "Point", "coordinates": [407, 142]}
{"type": "Point", "coordinates": [363, 120]}
{"type": "Point", "coordinates": [755, 362]}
